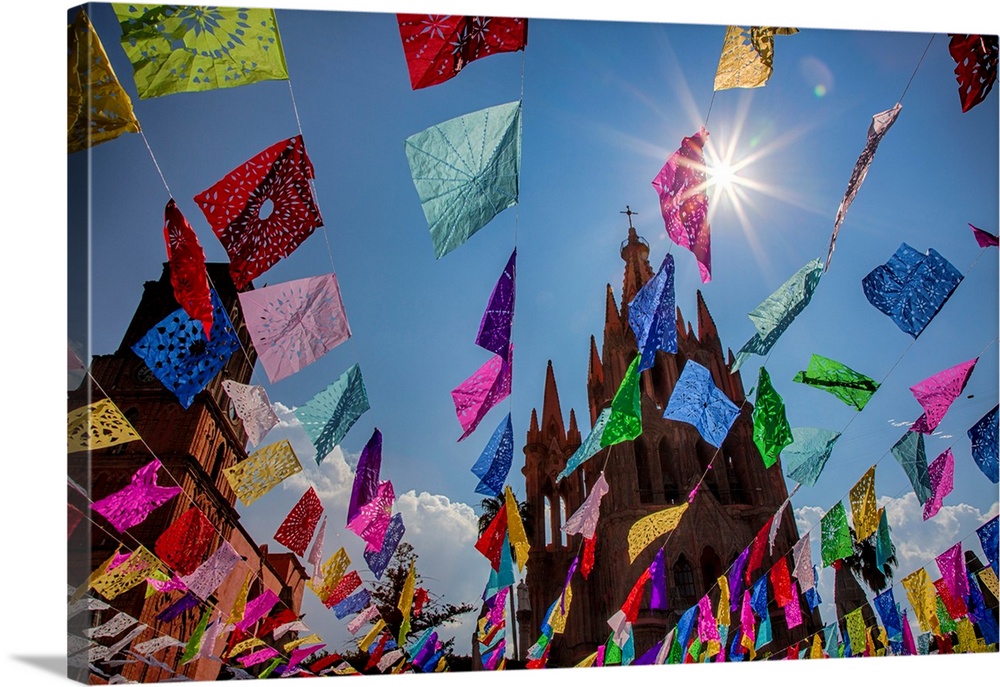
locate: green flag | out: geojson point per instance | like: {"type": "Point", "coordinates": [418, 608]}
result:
{"type": "Point", "coordinates": [625, 422]}
{"type": "Point", "coordinates": [771, 431]}
{"type": "Point", "coordinates": [836, 535]}
{"type": "Point", "coordinates": [853, 388]}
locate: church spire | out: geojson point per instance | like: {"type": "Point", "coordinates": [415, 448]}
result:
{"type": "Point", "coordinates": [551, 410]}
{"type": "Point", "coordinates": [635, 253]}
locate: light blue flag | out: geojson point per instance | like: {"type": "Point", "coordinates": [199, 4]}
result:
{"type": "Point", "coordinates": [697, 401]}
{"type": "Point", "coordinates": [466, 172]}
{"type": "Point", "coordinates": [331, 413]}
{"type": "Point", "coordinates": [909, 452]}
{"type": "Point", "coordinates": [494, 462]}
{"type": "Point", "coordinates": [590, 446]}
{"type": "Point", "coordinates": [806, 456]}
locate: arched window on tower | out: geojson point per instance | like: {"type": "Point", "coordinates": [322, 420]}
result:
{"type": "Point", "coordinates": [219, 463]}
{"type": "Point", "coordinates": [563, 515]}
{"type": "Point", "coordinates": [642, 472]}
{"type": "Point", "coordinates": [671, 494]}
{"type": "Point", "coordinates": [711, 566]}
{"type": "Point", "coordinates": [547, 521]}
{"type": "Point", "coordinates": [684, 579]}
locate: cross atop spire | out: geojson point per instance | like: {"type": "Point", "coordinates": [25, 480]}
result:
{"type": "Point", "coordinates": [628, 211]}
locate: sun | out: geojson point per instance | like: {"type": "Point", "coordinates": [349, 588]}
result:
{"type": "Point", "coordinates": [722, 176]}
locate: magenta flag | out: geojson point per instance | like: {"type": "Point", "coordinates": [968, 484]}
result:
{"type": "Point", "coordinates": [478, 394]}
{"type": "Point", "coordinates": [295, 323]}
{"type": "Point", "coordinates": [793, 611]}
{"type": "Point", "coordinates": [257, 608]}
{"type": "Point", "coordinates": [942, 476]}
{"type": "Point", "coordinates": [707, 629]}
{"type": "Point", "coordinates": [936, 394]}
{"type": "Point", "coordinates": [366, 477]}
{"type": "Point", "coordinates": [372, 520]}
{"type": "Point", "coordinates": [951, 564]}
{"type": "Point", "coordinates": [494, 330]}
{"type": "Point", "coordinates": [681, 186]}
{"type": "Point", "coordinates": [134, 503]}
{"type": "Point", "coordinates": [984, 238]}
{"type": "Point", "coordinates": [746, 618]}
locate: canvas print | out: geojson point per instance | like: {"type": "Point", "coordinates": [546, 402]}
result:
{"type": "Point", "coordinates": [414, 343]}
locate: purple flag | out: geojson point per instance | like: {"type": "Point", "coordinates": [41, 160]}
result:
{"type": "Point", "coordinates": [736, 578]}
{"type": "Point", "coordinates": [942, 476]}
{"type": "Point", "coordinates": [366, 476]}
{"type": "Point", "coordinates": [658, 573]}
{"type": "Point", "coordinates": [494, 330]}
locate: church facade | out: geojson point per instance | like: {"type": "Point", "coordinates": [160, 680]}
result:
{"type": "Point", "coordinates": [656, 470]}
{"type": "Point", "coordinates": [194, 446]}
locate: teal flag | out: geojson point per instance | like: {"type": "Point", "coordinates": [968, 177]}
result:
{"type": "Point", "coordinates": [883, 545]}
{"type": "Point", "coordinates": [590, 446]}
{"type": "Point", "coordinates": [806, 456]}
{"type": "Point", "coordinates": [466, 172]}
{"type": "Point", "coordinates": [909, 452]}
{"type": "Point", "coordinates": [329, 415]}
{"type": "Point", "coordinates": [771, 431]}
{"type": "Point", "coordinates": [776, 312]}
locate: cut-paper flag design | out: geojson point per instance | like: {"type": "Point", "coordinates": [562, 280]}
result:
{"type": "Point", "coordinates": [881, 122]}
{"type": "Point", "coordinates": [921, 593]}
{"type": "Point", "coordinates": [625, 421]}
{"type": "Point", "coordinates": [372, 520]}
{"type": "Point", "coordinates": [295, 323]}
{"type": "Point", "coordinates": [515, 529]}
{"type": "Point", "coordinates": [297, 529]}
{"type": "Point", "coordinates": [478, 394]}
{"type": "Point", "coordinates": [951, 564]}
{"type": "Point", "coordinates": [983, 436]}
{"type": "Point", "coordinates": [987, 534]}
{"type": "Point", "coordinates": [936, 394]}
{"type": "Point", "coordinates": [98, 425]}
{"type": "Point", "coordinates": [235, 207]}
{"type": "Point", "coordinates": [941, 473]}
{"type": "Point", "coordinates": [645, 530]}
{"type": "Point", "coordinates": [331, 413]}
{"type": "Point", "coordinates": [697, 401]}
{"type": "Point", "coordinates": [177, 48]}
{"type": "Point", "coordinates": [134, 503]}
{"type": "Point", "coordinates": [836, 535]}
{"type": "Point", "coordinates": [747, 58]}
{"type": "Point", "coordinates": [366, 476]}
{"type": "Point", "coordinates": [652, 317]}
{"type": "Point", "coordinates": [909, 452]}
{"type": "Point", "coordinates": [438, 47]}
{"type": "Point", "coordinates": [213, 572]}
{"type": "Point", "coordinates": [466, 171]}
{"type": "Point", "coordinates": [98, 109]}
{"type": "Point", "coordinates": [771, 431]}
{"type": "Point", "coordinates": [257, 608]}
{"type": "Point", "coordinates": [975, 58]}
{"type": "Point", "coordinates": [253, 407]}
{"type": "Point", "coordinates": [590, 446]}
{"type": "Point", "coordinates": [176, 351]}
{"type": "Point", "coordinates": [777, 312]}
{"type": "Point", "coordinates": [183, 545]}
{"type": "Point", "coordinates": [584, 520]}
{"type": "Point", "coordinates": [883, 542]}
{"type": "Point", "coordinates": [263, 470]}
{"type": "Point", "coordinates": [498, 318]}
{"type": "Point", "coordinates": [188, 275]}
{"type": "Point", "coordinates": [378, 560]}
{"type": "Point", "coordinates": [911, 287]}
{"type": "Point", "coordinates": [803, 568]}
{"type": "Point", "coordinates": [493, 538]}
{"type": "Point", "coordinates": [130, 572]}
{"type": "Point", "coordinates": [331, 572]}
{"type": "Point", "coordinates": [851, 387]}
{"type": "Point", "coordinates": [405, 604]}
{"type": "Point", "coordinates": [984, 238]}
{"type": "Point", "coordinates": [864, 511]}
{"type": "Point", "coordinates": [494, 463]}
{"type": "Point", "coordinates": [681, 185]}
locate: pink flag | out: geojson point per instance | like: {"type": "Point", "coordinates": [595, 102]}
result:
{"type": "Point", "coordinates": [297, 529]}
{"type": "Point", "coordinates": [707, 628]}
{"type": "Point", "coordinates": [134, 503]}
{"type": "Point", "coordinates": [793, 610]}
{"type": "Point", "coordinates": [213, 572]}
{"type": "Point", "coordinates": [681, 186]}
{"type": "Point", "coordinates": [984, 238]}
{"type": "Point", "coordinates": [372, 521]}
{"type": "Point", "coordinates": [488, 385]}
{"type": "Point", "coordinates": [746, 618]}
{"type": "Point", "coordinates": [295, 323]}
{"type": "Point", "coordinates": [908, 644]}
{"type": "Point", "coordinates": [257, 608]}
{"type": "Point", "coordinates": [936, 394]}
{"type": "Point", "coordinates": [584, 520]}
{"type": "Point", "coordinates": [942, 476]}
{"type": "Point", "coordinates": [951, 564]}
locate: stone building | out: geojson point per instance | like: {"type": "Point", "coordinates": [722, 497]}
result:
{"type": "Point", "coordinates": [194, 445]}
{"type": "Point", "coordinates": [646, 475]}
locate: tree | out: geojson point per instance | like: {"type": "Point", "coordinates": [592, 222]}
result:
{"type": "Point", "coordinates": [386, 593]}
{"type": "Point", "coordinates": [491, 506]}
{"type": "Point", "coordinates": [862, 563]}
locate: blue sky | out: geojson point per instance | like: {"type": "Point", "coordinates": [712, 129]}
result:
{"type": "Point", "coordinates": [604, 105]}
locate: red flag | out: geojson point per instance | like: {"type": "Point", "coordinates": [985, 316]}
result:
{"type": "Point", "coordinates": [491, 542]}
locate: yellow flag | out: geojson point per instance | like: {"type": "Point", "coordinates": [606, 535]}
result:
{"type": "Point", "coordinates": [99, 109]}
{"type": "Point", "coordinates": [240, 604]}
{"type": "Point", "coordinates": [140, 564]}
{"type": "Point", "coordinates": [989, 578]}
{"type": "Point", "coordinates": [303, 641]}
{"type": "Point", "coordinates": [817, 647]}
{"type": "Point", "coordinates": [645, 530]}
{"type": "Point", "coordinates": [966, 636]}
{"type": "Point", "coordinates": [863, 508]}
{"type": "Point", "coordinates": [159, 575]}
{"type": "Point", "coordinates": [406, 602]}
{"type": "Point", "coordinates": [83, 588]}
{"type": "Point", "coordinates": [515, 530]}
{"type": "Point", "coordinates": [714, 647]}
{"type": "Point", "coordinates": [587, 662]}
{"type": "Point", "coordinates": [262, 471]}
{"type": "Point", "coordinates": [332, 571]}
{"type": "Point", "coordinates": [560, 612]}
{"type": "Point", "coordinates": [856, 628]}
{"type": "Point", "coordinates": [372, 634]}
{"type": "Point", "coordinates": [922, 595]}
{"type": "Point", "coordinates": [251, 643]}
{"type": "Point", "coordinates": [722, 613]}
{"type": "Point", "coordinates": [98, 425]}
{"type": "Point", "coordinates": [747, 58]}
